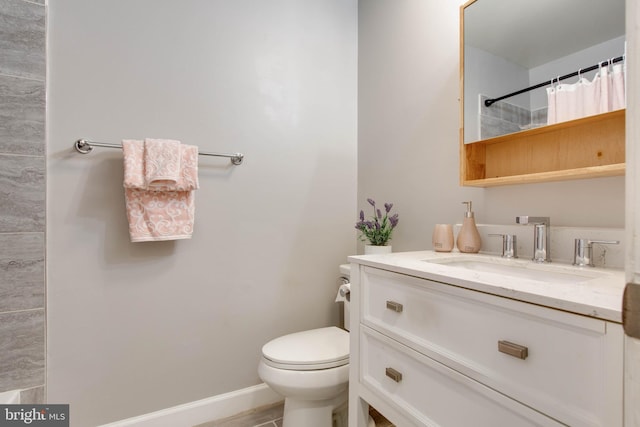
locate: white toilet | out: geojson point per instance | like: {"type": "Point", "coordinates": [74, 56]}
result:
{"type": "Point", "coordinates": [311, 370]}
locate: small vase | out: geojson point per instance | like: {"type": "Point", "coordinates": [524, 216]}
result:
{"type": "Point", "coordinates": [372, 249]}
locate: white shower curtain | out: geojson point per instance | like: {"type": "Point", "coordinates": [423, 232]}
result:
{"type": "Point", "coordinates": [617, 81]}
{"type": "Point", "coordinates": [586, 98]}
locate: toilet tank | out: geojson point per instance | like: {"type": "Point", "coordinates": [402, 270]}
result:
{"type": "Point", "coordinates": [343, 293]}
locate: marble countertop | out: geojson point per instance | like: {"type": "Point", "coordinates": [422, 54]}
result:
{"type": "Point", "coordinates": [598, 294]}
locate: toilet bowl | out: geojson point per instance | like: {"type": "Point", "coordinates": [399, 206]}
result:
{"type": "Point", "coordinates": [311, 370]}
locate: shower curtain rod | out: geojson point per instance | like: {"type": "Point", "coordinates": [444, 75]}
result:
{"type": "Point", "coordinates": [85, 146]}
{"type": "Point", "coordinates": [488, 102]}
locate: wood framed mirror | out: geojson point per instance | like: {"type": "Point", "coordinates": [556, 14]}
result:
{"type": "Point", "coordinates": [509, 46]}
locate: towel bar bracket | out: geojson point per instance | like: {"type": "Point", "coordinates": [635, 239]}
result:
{"type": "Point", "coordinates": [236, 159]}
{"type": "Point", "coordinates": [84, 146]}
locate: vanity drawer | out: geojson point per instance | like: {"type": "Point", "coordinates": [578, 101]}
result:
{"type": "Point", "coordinates": [433, 394]}
{"type": "Point", "coordinates": [571, 359]}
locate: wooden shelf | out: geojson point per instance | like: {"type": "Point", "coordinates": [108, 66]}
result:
{"type": "Point", "coordinates": [584, 148]}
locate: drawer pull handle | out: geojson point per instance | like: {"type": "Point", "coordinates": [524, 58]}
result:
{"type": "Point", "coordinates": [393, 374]}
{"type": "Point", "coordinates": [395, 306]}
{"type": "Point", "coordinates": [515, 350]}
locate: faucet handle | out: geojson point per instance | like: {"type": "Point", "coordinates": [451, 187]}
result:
{"type": "Point", "coordinates": [583, 251]}
{"type": "Point", "coordinates": [509, 249]}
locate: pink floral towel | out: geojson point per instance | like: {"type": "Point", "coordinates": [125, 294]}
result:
{"type": "Point", "coordinates": [159, 215]}
{"type": "Point", "coordinates": [164, 211]}
{"type": "Point", "coordinates": [161, 162]}
{"type": "Point", "coordinates": [134, 168]}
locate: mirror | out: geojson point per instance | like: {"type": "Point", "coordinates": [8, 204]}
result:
{"type": "Point", "coordinates": [511, 45]}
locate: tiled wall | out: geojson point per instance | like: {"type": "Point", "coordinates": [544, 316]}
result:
{"type": "Point", "coordinates": [22, 197]}
{"type": "Point", "coordinates": [503, 118]}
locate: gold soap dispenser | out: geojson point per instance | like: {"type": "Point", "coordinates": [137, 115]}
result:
{"type": "Point", "coordinates": [468, 240]}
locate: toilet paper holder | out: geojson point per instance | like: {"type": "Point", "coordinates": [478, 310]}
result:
{"type": "Point", "coordinates": [344, 291]}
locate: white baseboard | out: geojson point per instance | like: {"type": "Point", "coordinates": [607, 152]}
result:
{"type": "Point", "coordinates": [201, 411]}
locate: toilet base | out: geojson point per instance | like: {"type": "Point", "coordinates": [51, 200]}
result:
{"type": "Point", "coordinates": [317, 413]}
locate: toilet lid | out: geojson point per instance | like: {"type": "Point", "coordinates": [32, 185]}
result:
{"type": "Point", "coordinates": [308, 350]}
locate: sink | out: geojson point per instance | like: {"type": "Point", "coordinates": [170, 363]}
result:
{"type": "Point", "coordinates": [521, 269]}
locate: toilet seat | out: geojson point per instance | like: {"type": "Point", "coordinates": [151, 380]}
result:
{"type": "Point", "coordinates": [322, 348]}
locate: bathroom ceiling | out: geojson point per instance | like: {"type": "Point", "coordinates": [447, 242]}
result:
{"type": "Point", "coordinates": [534, 32]}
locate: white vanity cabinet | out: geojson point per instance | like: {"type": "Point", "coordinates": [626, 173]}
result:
{"type": "Point", "coordinates": [428, 353]}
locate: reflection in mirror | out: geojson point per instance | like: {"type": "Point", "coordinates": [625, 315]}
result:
{"type": "Point", "coordinates": [511, 45]}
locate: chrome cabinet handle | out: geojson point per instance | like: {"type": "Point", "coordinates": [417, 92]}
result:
{"type": "Point", "coordinates": [515, 350]}
{"type": "Point", "coordinates": [393, 374]}
{"type": "Point", "coordinates": [395, 306]}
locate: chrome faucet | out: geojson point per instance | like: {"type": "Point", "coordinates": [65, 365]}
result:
{"type": "Point", "coordinates": [583, 251]}
{"type": "Point", "coordinates": [541, 236]}
{"type": "Point", "coordinates": [509, 246]}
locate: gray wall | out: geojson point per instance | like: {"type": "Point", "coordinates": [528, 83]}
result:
{"type": "Point", "coordinates": [147, 326]}
{"type": "Point", "coordinates": [408, 124]}
{"type": "Point", "coordinates": [22, 194]}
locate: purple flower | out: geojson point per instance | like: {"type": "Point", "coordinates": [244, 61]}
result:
{"type": "Point", "coordinates": [393, 219]}
{"type": "Point", "coordinates": [377, 230]}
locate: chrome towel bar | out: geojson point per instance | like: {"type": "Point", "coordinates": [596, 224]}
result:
{"type": "Point", "coordinates": [84, 146]}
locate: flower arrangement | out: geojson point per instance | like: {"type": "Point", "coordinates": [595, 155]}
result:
{"type": "Point", "coordinates": [377, 230]}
